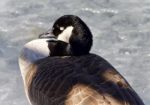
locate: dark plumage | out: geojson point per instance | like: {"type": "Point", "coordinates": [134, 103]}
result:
{"type": "Point", "coordinates": [58, 80]}
{"type": "Point", "coordinates": [80, 78]}
{"type": "Point", "coordinates": [80, 41]}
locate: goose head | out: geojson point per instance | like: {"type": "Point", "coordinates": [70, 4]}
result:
{"type": "Point", "coordinates": [72, 34]}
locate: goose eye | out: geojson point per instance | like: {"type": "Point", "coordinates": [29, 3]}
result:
{"type": "Point", "coordinates": [61, 28]}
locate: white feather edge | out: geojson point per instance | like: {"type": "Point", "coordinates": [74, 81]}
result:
{"type": "Point", "coordinates": [31, 52]}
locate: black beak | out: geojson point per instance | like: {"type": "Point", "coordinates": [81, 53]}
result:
{"type": "Point", "coordinates": [47, 35]}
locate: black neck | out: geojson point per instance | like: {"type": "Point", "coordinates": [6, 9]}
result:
{"type": "Point", "coordinates": [59, 48]}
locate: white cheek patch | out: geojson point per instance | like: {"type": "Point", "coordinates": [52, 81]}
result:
{"type": "Point", "coordinates": [65, 35]}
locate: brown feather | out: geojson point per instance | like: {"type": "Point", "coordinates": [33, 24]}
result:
{"type": "Point", "coordinates": [82, 80]}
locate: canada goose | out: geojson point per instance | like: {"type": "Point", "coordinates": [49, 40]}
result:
{"type": "Point", "coordinates": [79, 79]}
{"type": "Point", "coordinates": [73, 33]}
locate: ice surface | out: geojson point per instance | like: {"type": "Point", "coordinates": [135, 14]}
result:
{"type": "Point", "coordinates": [120, 28]}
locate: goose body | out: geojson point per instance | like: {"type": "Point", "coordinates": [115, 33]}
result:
{"type": "Point", "coordinates": [76, 79]}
